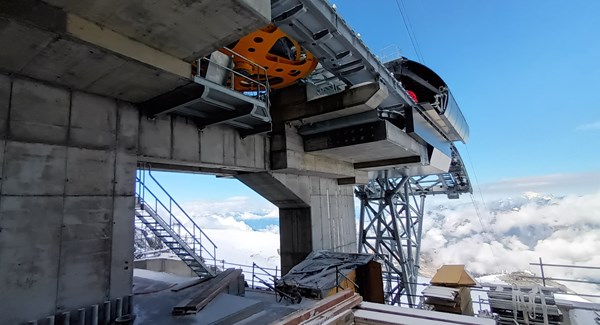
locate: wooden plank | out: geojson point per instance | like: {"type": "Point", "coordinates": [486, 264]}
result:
{"type": "Point", "coordinates": [188, 284]}
{"type": "Point", "coordinates": [335, 311]}
{"type": "Point", "coordinates": [215, 286]}
{"type": "Point", "coordinates": [425, 314]}
{"type": "Point", "coordinates": [345, 318]}
{"type": "Point", "coordinates": [321, 306]}
{"type": "Point", "coordinates": [367, 317]}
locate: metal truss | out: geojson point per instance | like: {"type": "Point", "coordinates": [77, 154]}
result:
{"type": "Point", "coordinates": [391, 222]}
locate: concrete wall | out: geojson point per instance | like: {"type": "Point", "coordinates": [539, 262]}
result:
{"type": "Point", "coordinates": [176, 267]}
{"type": "Point", "coordinates": [315, 213]}
{"type": "Point", "coordinates": [68, 161]}
{"type": "Point", "coordinates": [328, 224]}
{"type": "Point", "coordinates": [176, 142]}
{"type": "Point", "coordinates": [66, 200]}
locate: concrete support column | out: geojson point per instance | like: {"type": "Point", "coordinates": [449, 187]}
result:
{"type": "Point", "coordinates": [295, 236]}
{"type": "Point", "coordinates": [315, 213]}
{"type": "Point", "coordinates": [67, 161]}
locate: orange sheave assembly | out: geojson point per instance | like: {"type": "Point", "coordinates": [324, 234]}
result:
{"type": "Point", "coordinates": [283, 58]}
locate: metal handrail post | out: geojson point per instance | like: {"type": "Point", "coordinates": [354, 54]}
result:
{"type": "Point", "coordinates": [232, 76]}
{"type": "Point", "coordinates": [542, 269]}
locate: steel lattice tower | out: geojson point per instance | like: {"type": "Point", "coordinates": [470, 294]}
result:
{"type": "Point", "coordinates": [391, 222]}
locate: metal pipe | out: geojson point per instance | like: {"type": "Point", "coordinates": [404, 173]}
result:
{"type": "Point", "coordinates": [568, 266]}
{"type": "Point", "coordinates": [107, 317]}
{"type": "Point", "coordinates": [542, 268]}
{"type": "Point", "coordinates": [95, 315]}
{"type": "Point", "coordinates": [50, 320]}
{"type": "Point", "coordinates": [129, 309]}
{"type": "Point", "coordinates": [66, 318]}
{"type": "Point", "coordinates": [561, 279]}
{"type": "Point", "coordinates": [81, 316]}
{"type": "Point", "coordinates": [119, 311]}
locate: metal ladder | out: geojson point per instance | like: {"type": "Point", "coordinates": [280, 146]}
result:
{"type": "Point", "coordinates": [172, 225]}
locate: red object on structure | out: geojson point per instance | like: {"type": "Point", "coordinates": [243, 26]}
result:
{"type": "Point", "coordinates": [412, 95]}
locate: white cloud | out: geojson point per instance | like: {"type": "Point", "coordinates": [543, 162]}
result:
{"type": "Point", "coordinates": [557, 184]}
{"type": "Point", "coordinates": [589, 126]}
{"type": "Point", "coordinates": [246, 246]}
{"type": "Point", "coordinates": [563, 231]}
{"type": "Point", "coordinates": [240, 207]}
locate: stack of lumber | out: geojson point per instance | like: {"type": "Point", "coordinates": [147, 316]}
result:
{"type": "Point", "coordinates": [524, 305]}
{"type": "Point", "coordinates": [368, 313]}
{"type": "Point", "coordinates": [226, 281]}
{"type": "Point", "coordinates": [333, 310]}
{"type": "Point", "coordinates": [347, 308]}
{"type": "Point", "coordinates": [449, 300]}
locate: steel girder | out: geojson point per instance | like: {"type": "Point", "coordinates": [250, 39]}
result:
{"type": "Point", "coordinates": [391, 217]}
{"type": "Point", "coordinates": [391, 222]}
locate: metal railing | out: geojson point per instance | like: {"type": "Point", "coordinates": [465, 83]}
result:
{"type": "Point", "coordinates": [252, 272]}
{"type": "Point", "coordinates": [173, 214]}
{"type": "Point", "coordinates": [543, 276]}
{"type": "Point", "coordinates": [258, 89]}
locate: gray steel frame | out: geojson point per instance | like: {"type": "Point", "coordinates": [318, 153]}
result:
{"type": "Point", "coordinates": [391, 217]}
{"type": "Point", "coordinates": [391, 222]}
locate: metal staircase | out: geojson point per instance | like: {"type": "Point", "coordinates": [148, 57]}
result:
{"type": "Point", "coordinates": [173, 225]}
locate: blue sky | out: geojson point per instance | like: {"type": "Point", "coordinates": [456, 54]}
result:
{"type": "Point", "coordinates": [526, 75]}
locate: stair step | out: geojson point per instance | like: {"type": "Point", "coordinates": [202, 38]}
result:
{"type": "Point", "coordinates": [175, 237]}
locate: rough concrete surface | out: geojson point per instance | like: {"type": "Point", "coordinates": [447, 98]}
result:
{"type": "Point", "coordinates": [172, 26]}
{"type": "Point", "coordinates": [59, 202]}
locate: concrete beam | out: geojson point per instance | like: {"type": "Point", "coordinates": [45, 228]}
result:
{"type": "Point", "coordinates": [92, 33]}
{"type": "Point", "coordinates": [183, 29]}
{"type": "Point", "coordinates": [61, 59]}
{"type": "Point", "coordinates": [378, 142]}
{"type": "Point", "coordinates": [292, 104]}
{"type": "Point", "coordinates": [288, 156]}
{"type": "Point", "coordinates": [128, 50]}
{"type": "Point", "coordinates": [273, 189]}
{"type": "Point", "coordinates": [314, 213]}
{"type": "Point", "coordinates": [176, 143]}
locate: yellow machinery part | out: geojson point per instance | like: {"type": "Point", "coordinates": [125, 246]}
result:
{"type": "Point", "coordinates": [263, 47]}
{"type": "Point", "coordinates": [345, 283]}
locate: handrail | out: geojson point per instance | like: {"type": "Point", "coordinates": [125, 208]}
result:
{"type": "Point", "coordinates": [178, 222]}
{"type": "Point", "coordinates": [262, 71]}
{"type": "Point", "coordinates": [265, 86]}
{"type": "Point", "coordinates": [180, 208]}
{"type": "Point", "coordinates": [194, 237]}
{"type": "Point", "coordinates": [268, 87]}
{"type": "Point", "coordinates": [251, 271]}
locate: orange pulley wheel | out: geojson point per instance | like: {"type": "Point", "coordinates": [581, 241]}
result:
{"type": "Point", "coordinates": [283, 59]}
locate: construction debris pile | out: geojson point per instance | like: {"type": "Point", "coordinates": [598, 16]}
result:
{"type": "Point", "coordinates": [324, 273]}
{"type": "Point", "coordinates": [449, 291]}
{"type": "Point", "coordinates": [524, 305]}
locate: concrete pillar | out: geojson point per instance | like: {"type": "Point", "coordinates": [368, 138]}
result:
{"type": "Point", "coordinates": [68, 161]}
{"type": "Point", "coordinates": [315, 213]}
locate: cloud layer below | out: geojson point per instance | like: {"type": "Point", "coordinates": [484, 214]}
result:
{"type": "Point", "coordinates": [506, 236]}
